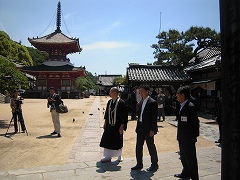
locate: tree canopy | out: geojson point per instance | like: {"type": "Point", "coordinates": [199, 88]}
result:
{"type": "Point", "coordinates": [119, 80]}
{"type": "Point", "coordinates": [10, 77]}
{"type": "Point", "coordinates": [38, 57]}
{"type": "Point", "coordinates": [86, 82]}
{"type": "Point", "coordinates": [13, 50]}
{"type": "Point", "coordinates": [177, 48]}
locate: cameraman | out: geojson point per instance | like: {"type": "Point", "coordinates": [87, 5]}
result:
{"type": "Point", "coordinates": [15, 104]}
{"type": "Point", "coordinates": [53, 102]}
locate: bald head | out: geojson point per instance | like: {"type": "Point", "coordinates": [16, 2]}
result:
{"type": "Point", "coordinates": [114, 93]}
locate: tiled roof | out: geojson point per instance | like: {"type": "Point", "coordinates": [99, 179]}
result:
{"type": "Point", "coordinates": [107, 80]}
{"type": "Point", "coordinates": [205, 58]}
{"type": "Point", "coordinates": [152, 73]}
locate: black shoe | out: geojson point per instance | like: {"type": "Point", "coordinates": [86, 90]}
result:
{"type": "Point", "coordinates": [15, 132]}
{"type": "Point", "coordinates": [53, 133]}
{"type": "Point", "coordinates": [59, 135]}
{"type": "Point", "coordinates": [152, 168]}
{"type": "Point", "coordinates": [137, 167]}
{"type": "Point", "coordinates": [181, 176]}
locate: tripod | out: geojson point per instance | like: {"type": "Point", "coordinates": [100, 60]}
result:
{"type": "Point", "coordinates": [18, 126]}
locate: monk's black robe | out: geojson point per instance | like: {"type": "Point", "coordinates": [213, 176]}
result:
{"type": "Point", "coordinates": [111, 138]}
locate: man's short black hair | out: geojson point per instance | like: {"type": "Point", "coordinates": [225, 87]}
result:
{"type": "Point", "coordinates": [184, 90]}
{"type": "Point", "coordinates": [145, 86]}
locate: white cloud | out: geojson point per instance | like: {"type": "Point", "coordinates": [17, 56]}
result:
{"type": "Point", "coordinates": [107, 45]}
{"type": "Point", "coordinates": [115, 24]}
{"type": "Point", "coordinates": [69, 16]}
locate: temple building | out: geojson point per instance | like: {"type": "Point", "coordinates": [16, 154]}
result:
{"type": "Point", "coordinates": [165, 78]}
{"type": "Point", "coordinates": [205, 71]}
{"type": "Point", "coordinates": [57, 71]}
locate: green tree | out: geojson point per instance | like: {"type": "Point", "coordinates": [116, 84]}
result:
{"type": "Point", "coordinates": [10, 77]}
{"type": "Point", "coordinates": [172, 48]}
{"type": "Point", "coordinates": [38, 57]}
{"type": "Point", "coordinates": [14, 50]}
{"type": "Point", "coordinates": [86, 82]}
{"type": "Point", "coordinates": [175, 48]}
{"type": "Point", "coordinates": [119, 80]}
{"type": "Point", "coordinates": [204, 37]}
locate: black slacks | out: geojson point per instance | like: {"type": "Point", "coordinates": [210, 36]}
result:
{"type": "Point", "coordinates": [17, 116]}
{"type": "Point", "coordinates": [141, 137]}
{"type": "Point", "coordinates": [189, 159]}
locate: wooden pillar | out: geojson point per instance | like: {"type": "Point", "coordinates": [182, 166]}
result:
{"type": "Point", "coordinates": [230, 42]}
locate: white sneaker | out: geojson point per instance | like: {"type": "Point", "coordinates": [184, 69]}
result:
{"type": "Point", "coordinates": [120, 158]}
{"type": "Point", "coordinates": [106, 159]}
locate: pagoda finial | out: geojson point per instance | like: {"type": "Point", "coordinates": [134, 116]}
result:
{"type": "Point", "coordinates": [58, 18]}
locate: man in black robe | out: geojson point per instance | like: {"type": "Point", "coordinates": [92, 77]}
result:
{"type": "Point", "coordinates": [116, 119]}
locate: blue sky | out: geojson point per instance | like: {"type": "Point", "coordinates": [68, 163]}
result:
{"type": "Point", "coordinates": [112, 33]}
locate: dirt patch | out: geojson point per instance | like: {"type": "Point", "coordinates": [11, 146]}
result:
{"type": "Point", "coordinates": [41, 149]}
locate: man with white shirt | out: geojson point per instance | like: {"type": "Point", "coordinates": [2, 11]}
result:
{"type": "Point", "coordinates": [187, 133]}
{"type": "Point", "coordinates": [146, 129]}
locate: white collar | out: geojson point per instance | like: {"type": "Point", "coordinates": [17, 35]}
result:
{"type": "Point", "coordinates": [183, 103]}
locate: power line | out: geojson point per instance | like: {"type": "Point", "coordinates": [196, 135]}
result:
{"type": "Point", "coordinates": [48, 24]}
{"type": "Point", "coordinates": [66, 25]}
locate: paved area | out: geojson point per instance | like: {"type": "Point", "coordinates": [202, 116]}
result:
{"type": "Point", "coordinates": [82, 162]}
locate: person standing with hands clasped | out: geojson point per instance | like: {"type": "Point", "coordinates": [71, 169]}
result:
{"type": "Point", "coordinates": [187, 133]}
{"type": "Point", "coordinates": [146, 129]}
{"type": "Point", "coordinates": [115, 123]}
{"type": "Point", "coordinates": [54, 100]}
{"type": "Point", "coordinates": [161, 105]}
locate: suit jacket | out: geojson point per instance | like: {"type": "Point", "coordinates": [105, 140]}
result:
{"type": "Point", "coordinates": [149, 117]}
{"type": "Point", "coordinates": [188, 123]}
{"type": "Point", "coordinates": [56, 101]}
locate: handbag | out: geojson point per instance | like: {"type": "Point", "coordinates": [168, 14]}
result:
{"type": "Point", "coordinates": [62, 108]}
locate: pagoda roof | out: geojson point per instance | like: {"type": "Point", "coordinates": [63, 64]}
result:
{"type": "Point", "coordinates": [45, 68]}
{"type": "Point", "coordinates": [57, 39]}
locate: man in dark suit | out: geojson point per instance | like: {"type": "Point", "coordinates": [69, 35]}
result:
{"type": "Point", "coordinates": [187, 133]}
{"type": "Point", "coordinates": [146, 129]}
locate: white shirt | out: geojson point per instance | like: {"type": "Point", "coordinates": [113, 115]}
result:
{"type": "Point", "coordinates": [143, 106]}
{"type": "Point", "coordinates": [182, 104]}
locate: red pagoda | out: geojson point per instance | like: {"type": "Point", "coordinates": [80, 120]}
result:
{"type": "Point", "coordinates": [57, 71]}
